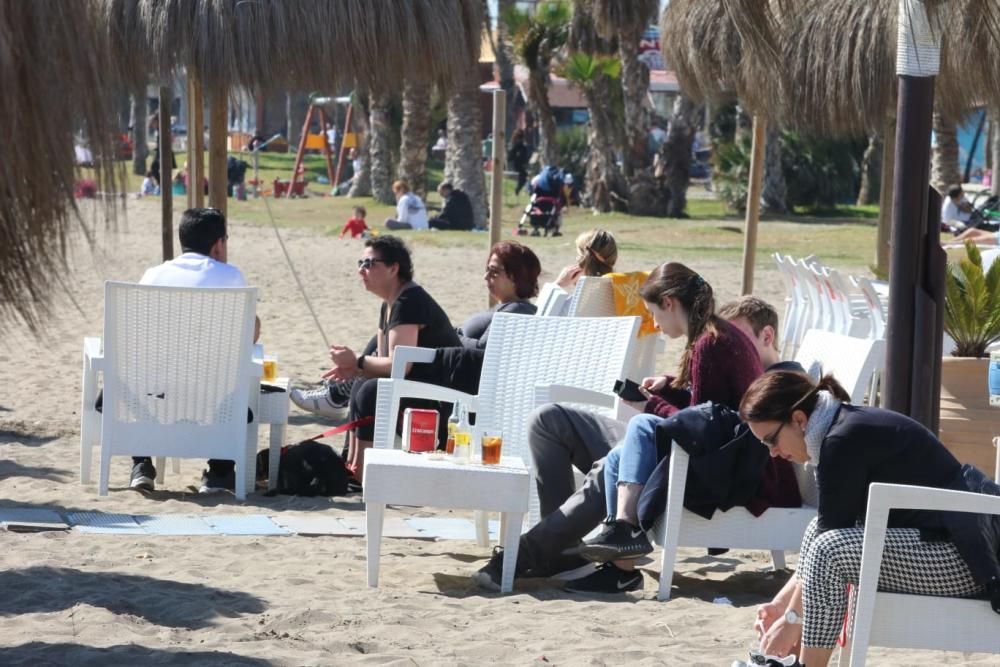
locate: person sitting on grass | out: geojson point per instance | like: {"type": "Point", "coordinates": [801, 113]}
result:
{"type": "Point", "coordinates": [410, 210]}
{"type": "Point", "coordinates": [356, 225]}
{"type": "Point", "coordinates": [850, 447]}
{"type": "Point", "coordinates": [457, 212]}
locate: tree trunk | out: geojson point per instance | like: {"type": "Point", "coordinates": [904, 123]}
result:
{"type": "Point", "coordinates": [140, 149]}
{"type": "Point", "coordinates": [604, 183]}
{"type": "Point", "coordinates": [361, 182]}
{"type": "Point", "coordinates": [463, 161]}
{"type": "Point", "coordinates": [995, 153]}
{"type": "Point", "coordinates": [635, 89]}
{"type": "Point", "coordinates": [871, 168]}
{"type": "Point", "coordinates": [505, 62]}
{"type": "Point", "coordinates": [379, 150]}
{"type": "Point", "coordinates": [415, 136]}
{"type": "Point", "coordinates": [944, 159]}
{"type": "Point", "coordinates": [296, 106]}
{"type": "Point", "coordinates": [538, 102]}
{"type": "Point", "coordinates": [775, 195]}
{"type": "Point", "coordinates": [677, 154]}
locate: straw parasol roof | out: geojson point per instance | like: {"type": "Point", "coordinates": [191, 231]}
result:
{"type": "Point", "coordinates": [296, 43]}
{"type": "Point", "coordinates": [53, 64]}
{"type": "Point", "coordinates": [63, 63]}
{"type": "Point", "coordinates": [826, 66]}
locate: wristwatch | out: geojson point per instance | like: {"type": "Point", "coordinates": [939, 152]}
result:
{"type": "Point", "coordinates": [792, 617]}
{"type": "Point", "coordinates": [361, 362]}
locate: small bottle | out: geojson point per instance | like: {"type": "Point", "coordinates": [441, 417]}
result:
{"type": "Point", "coordinates": [449, 446]}
{"type": "Point", "coordinates": [463, 437]}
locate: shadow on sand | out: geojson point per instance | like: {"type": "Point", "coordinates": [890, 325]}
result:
{"type": "Point", "coordinates": [175, 604]}
{"type": "Point", "coordinates": [40, 653]}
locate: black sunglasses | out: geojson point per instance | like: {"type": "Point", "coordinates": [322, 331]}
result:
{"type": "Point", "coordinates": [368, 262]}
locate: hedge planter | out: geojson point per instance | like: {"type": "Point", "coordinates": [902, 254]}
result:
{"type": "Point", "coordinates": [968, 423]}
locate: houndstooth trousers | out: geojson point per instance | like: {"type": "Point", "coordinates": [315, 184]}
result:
{"type": "Point", "coordinates": [830, 560]}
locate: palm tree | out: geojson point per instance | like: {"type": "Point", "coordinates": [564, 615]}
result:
{"type": "Point", "coordinates": [626, 21]}
{"type": "Point", "coordinates": [775, 192]}
{"type": "Point", "coordinates": [139, 148]}
{"type": "Point", "coordinates": [676, 153]}
{"type": "Point", "coordinates": [463, 164]}
{"type": "Point", "coordinates": [537, 39]}
{"type": "Point", "coordinates": [379, 149]}
{"type": "Point", "coordinates": [871, 165]}
{"type": "Point", "coordinates": [415, 135]}
{"type": "Point", "coordinates": [595, 75]}
{"type": "Point", "coordinates": [361, 182]}
{"type": "Point", "coordinates": [944, 155]}
{"type": "Point", "coordinates": [503, 50]}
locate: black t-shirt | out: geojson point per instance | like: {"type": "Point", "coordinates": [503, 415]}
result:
{"type": "Point", "coordinates": [415, 306]}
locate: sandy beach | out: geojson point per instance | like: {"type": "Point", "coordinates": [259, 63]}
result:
{"type": "Point", "coordinates": [75, 599]}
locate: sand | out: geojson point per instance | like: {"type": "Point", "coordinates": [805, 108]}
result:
{"type": "Point", "coordinates": [76, 599]}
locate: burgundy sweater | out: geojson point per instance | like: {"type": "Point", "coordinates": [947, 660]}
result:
{"type": "Point", "coordinates": [722, 368]}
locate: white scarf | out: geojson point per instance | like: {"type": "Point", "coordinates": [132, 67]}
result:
{"type": "Point", "coordinates": [819, 424]}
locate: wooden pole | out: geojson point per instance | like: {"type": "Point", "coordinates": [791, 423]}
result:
{"type": "Point", "coordinates": [217, 135]}
{"type": "Point", "coordinates": [340, 155]}
{"type": "Point", "coordinates": [166, 164]}
{"type": "Point", "coordinates": [196, 143]}
{"type": "Point", "coordinates": [882, 238]}
{"type": "Point", "coordinates": [300, 153]}
{"type": "Point", "coordinates": [753, 202]}
{"type": "Point", "coordinates": [496, 168]}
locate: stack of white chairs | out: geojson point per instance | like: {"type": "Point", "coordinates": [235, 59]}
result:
{"type": "Point", "coordinates": [821, 297]}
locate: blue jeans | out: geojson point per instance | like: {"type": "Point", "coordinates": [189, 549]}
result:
{"type": "Point", "coordinates": [633, 461]}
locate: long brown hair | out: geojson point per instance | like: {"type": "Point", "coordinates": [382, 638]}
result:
{"type": "Point", "coordinates": [597, 252]}
{"type": "Point", "coordinates": [695, 295]}
{"type": "Point", "coordinates": [775, 396]}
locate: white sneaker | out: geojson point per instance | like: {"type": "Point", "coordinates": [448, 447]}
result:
{"type": "Point", "coordinates": [318, 402]}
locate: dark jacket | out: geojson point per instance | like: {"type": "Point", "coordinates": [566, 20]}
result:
{"type": "Point", "coordinates": [518, 156]}
{"type": "Point", "coordinates": [726, 468]}
{"type": "Point", "coordinates": [866, 445]}
{"type": "Point", "coordinates": [456, 214]}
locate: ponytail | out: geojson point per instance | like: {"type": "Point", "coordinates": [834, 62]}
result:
{"type": "Point", "coordinates": [776, 395]}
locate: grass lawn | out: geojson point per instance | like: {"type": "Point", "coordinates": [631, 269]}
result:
{"type": "Point", "coordinates": [843, 237]}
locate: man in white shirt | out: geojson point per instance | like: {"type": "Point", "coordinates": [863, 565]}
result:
{"type": "Point", "coordinates": [205, 241]}
{"type": "Point", "coordinates": [410, 210]}
{"type": "Point", "coordinates": [955, 207]}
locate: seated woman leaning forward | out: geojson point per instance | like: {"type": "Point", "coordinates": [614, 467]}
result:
{"type": "Point", "coordinates": [850, 447]}
{"type": "Point", "coordinates": [409, 316]}
{"type": "Point", "coordinates": [718, 364]}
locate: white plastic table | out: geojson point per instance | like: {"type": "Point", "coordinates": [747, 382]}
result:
{"type": "Point", "coordinates": [272, 411]}
{"type": "Point", "coordinates": [393, 476]}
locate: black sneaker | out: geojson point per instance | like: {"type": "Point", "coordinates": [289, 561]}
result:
{"type": "Point", "coordinates": [213, 482]}
{"type": "Point", "coordinates": [340, 393]}
{"type": "Point", "coordinates": [607, 579]}
{"type": "Point", "coordinates": [489, 575]}
{"type": "Point", "coordinates": [618, 541]}
{"type": "Point", "coordinates": [143, 476]}
{"type": "Point", "coordinates": [758, 658]}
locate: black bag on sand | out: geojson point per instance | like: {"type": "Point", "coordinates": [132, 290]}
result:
{"type": "Point", "coordinates": [309, 469]}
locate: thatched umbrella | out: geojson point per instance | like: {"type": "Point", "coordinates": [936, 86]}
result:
{"type": "Point", "coordinates": [53, 63]}
{"type": "Point", "coordinates": [296, 43]}
{"type": "Point", "coordinates": [61, 63]}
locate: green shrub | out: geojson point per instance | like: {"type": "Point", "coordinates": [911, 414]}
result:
{"type": "Point", "coordinates": [572, 151]}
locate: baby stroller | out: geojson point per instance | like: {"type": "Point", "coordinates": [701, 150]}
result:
{"type": "Point", "coordinates": [544, 209]}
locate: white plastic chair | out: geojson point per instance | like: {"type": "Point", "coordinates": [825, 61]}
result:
{"type": "Point", "coordinates": [178, 375]}
{"type": "Point", "coordinates": [522, 352]}
{"type": "Point", "coordinates": [795, 305]}
{"type": "Point", "coordinates": [552, 300]}
{"type": "Point", "coordinates": [916, 621]}
{"type": "Point", "coordinates": [594, 297]}
{"type": "Point", "coordinates": [876, 308]}
{"type": "Point", "coordinates": [854, 362]}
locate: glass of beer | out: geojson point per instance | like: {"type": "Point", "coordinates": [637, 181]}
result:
{"type": "Point", "coordinates": [492, 444]}
{"type": "Point", "coordinates": [270, 369]}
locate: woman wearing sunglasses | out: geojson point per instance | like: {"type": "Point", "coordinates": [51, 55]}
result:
{"type": "Point", "coordinates": [409, 316]}
{"type": "Point", "coordinates": [512, 278]}
{"type": "Point", "coordinates": [849, 447]}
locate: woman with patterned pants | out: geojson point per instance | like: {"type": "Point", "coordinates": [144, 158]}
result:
{"type": "Point", "coordinates": [849, 447]}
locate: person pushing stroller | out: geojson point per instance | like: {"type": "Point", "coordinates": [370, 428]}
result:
{"type": "Point", "coordinates": [548, 198]}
